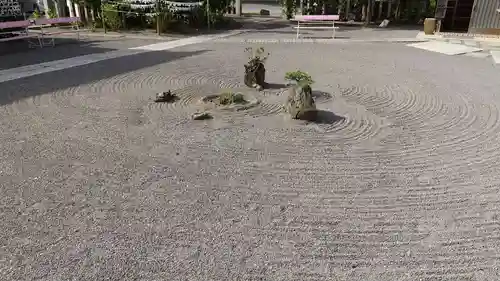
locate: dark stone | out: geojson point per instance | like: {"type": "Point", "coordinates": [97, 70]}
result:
{"type": "Point", "coordinates": [202, 116]}
{"type": "Point", "coordinates": [300, 103]}
{"type": "Point", "coordinates": [166, 97]}
{"type": "Point", "coordinates": [255, 75]}
{"type": "Point", "coordinates": [264, 12]}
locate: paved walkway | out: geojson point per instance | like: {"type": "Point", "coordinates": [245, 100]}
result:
{"type": "Point", "coordinates": [99, 183]}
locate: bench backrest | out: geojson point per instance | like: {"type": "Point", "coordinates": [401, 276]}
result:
{"type": "Point", "coordinates": [14, 24]}
{"type": "Point", "coordinates": [57, 20]}
{"type": "Point", "coordinates": [317, 17]}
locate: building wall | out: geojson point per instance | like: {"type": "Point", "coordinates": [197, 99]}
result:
{"type": "Point", "coordinates": [485, 18]}
{"type": "Point", "coordinates": [27, 5]}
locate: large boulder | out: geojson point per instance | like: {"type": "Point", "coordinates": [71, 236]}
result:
{"type": "Point", "coordinates": [300, 103]}
{"type": "Point", "coordinates": [255, 75]}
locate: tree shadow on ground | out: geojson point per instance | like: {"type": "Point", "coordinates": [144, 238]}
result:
{"type": "Point", "coordinates": [392, 25]}
{"type": "Point", "coordinates": [400, 26]}
{"type": "Point", "coordinates": [30, 87]}
{"type": "Point", "coordinates": [272, 25]}
{"type": "Point", "coordinates": [273, 32]}
{"type": "Point", "coordinates": [17, 53]}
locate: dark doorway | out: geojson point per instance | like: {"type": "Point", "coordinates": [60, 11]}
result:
{"type": "Point", "coordinates": [457, 15]}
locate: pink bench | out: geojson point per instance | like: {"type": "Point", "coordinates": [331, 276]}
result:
{"type": "Point", "coordinates": [18, 34]}
{"type": "Point", "coordinates": [312, 21]}
{"type": "Point", "coordinates": [47, 28]}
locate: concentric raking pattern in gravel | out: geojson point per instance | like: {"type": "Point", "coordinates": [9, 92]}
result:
{"type": "Point", "coordinates": [405, 186]}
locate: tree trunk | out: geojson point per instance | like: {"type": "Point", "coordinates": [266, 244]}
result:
{"type": "Point", "coordinates": [398, 10]}
{"type": "Point", "coordinates": [347, 9]}
{"type": "Point", "coordinates": [380, 7]}
{"type": "Point", "coordinates": [372, 9]}
{"type": "Point", "coordinates": [363, 12]}
{"type": "Point", "coordinates": [57, 8]}
{"type": "Point", "coordinates": [389, 9]}
{"type": "Point", "coordinates": [369, 12]}
{"type": "Point", "coordinates": [77, 10]}
{"type": "Point", "coordinates": [86, 13]}
{"type": "Point", "coordinates": [71, 8]}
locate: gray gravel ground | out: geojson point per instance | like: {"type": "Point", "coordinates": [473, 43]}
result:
{"type": "Point", "coordinates": [99, 184]}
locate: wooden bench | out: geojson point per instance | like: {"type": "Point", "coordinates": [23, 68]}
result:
{"type": "Point", "coordinates": [18, 30]}
{"type": "Point", "coordinates": [47, 27]}
{"type": "Point", "coordinates": [313, 21]}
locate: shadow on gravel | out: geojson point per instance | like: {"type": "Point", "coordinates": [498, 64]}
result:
{"type": "Point", "coordinates": [275, 86]}
{"type": "Point", "coordinates": [30, 87]}
{"type": "Point", "coordinates": [323, 117]}
{"type": "Point", "coordinates": [16, 53]}
{"type": "Point", "coordinates": [321, 95]}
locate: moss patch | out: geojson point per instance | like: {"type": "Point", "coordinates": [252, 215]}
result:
{"type": "Point", "coordinates": [227, 98]}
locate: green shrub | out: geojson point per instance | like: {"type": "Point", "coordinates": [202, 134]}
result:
{"type": "Point", "coordinates": [112, 17]}
{"type": "Point", "coordinates": [52, 13]}
{"type": "Point", "coordinates": [36, 14]}
{"type": "Point", "coordinates": [300, 77]}
{"type": "Point", "coordinates": [288, 8]}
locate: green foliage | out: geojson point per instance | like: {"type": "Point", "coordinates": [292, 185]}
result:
{"type": "Point", "coordinates": [230, 97]}
{"type": "Point", "coordinates": [217, 6]}
{"type": "Point", "coordinates": [119, 15]}
{"type": "Point", "coordinates": [300, 77]}
{"type": "Point", "coordinates": [96, 24]}
{"type": "Point", "coordinates": [289, 8]}
{"type": "Point", "coordinates": [112, 18]}
{"type": "Point", "coordinates": [36, 14]}
{"type": "Point", "coordinates": [167, 18]}
{"type": "Point", "coordinates": [52, 13]}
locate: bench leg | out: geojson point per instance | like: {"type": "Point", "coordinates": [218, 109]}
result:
{"type": "Point", "coordinates": [333, 35]}
{"type": "Point", "coordinates": [37, 42]}
{"type": "Point", "coordinates": [298, 29]}
{"type": "Point", "coordinates": [77, 30]}
{"type": "Point", "coordinates": [47, 41]}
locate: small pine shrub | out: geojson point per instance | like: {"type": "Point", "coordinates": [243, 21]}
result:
{"type": "Point", "coordinates": [300, 77]}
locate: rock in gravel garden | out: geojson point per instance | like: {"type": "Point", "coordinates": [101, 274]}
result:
{"type": "Point", "coordinates": [166, 97]}
{"type": "Point", "coordinates": [202, 116]}
{"type": "Point", "coordinates": [264, 12]}
{"type": "Point", "coordinates": [300, 103]}
{"type": "Point", "coordinates": [255, 71]}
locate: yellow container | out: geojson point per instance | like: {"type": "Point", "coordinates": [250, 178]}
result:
{"type": "Point", "coordinates": [429, 26]}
